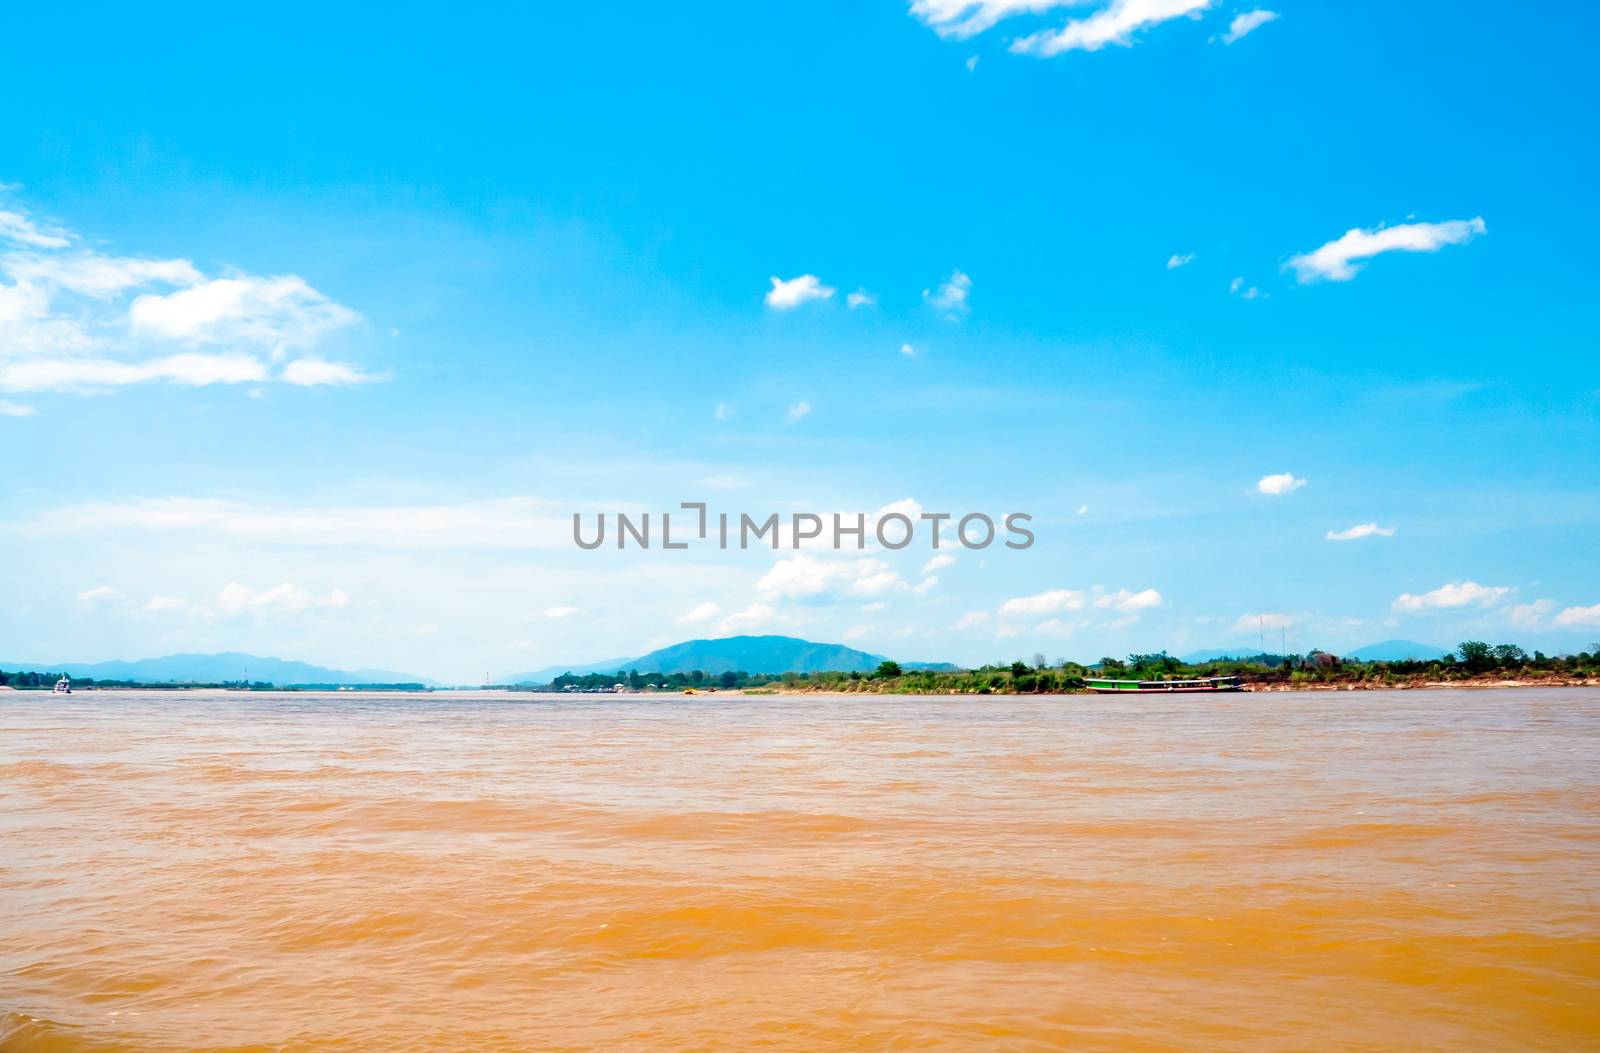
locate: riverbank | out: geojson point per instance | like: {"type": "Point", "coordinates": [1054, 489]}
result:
{"type": "Point", "coordinates": [896, 687]}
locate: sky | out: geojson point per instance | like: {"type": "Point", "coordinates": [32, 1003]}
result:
{"type": "Point", "coordinates": [316, 330]}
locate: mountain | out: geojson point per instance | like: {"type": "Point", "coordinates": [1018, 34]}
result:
{"type": "Point", "coordinates": [751, 654]}
{"type": "Point", "coordinates": [1397, 651]}
{"type": "Point", "coordinates": [1199, 657]}
{"type": "Point", "coordinates": [216, 668]}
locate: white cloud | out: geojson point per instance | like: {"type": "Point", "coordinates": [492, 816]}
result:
{"type": "Point", "coordinates": [1451, 596]}
{"type": "Point", "coordinates": [1251, 623]}
{"type": "Point", "coordinates": [908, 351]}
{"type": "Point", "coordinates": [97, 594]}
{"type": "Point", "coordinates": [1175, 261]}
{"type": "Point", "coordinates": [971, 620]}
{"type": "Point", "coordinates": [1083, 510]}
{"type": "Point", "coordinates": [1237, 288]}
{"type": "Point", "coordinates": [702, 612]}
{"type": "Point", "coordinates": [1338, 259]}
{"type": "Point", "coordinates": [972, 64]}
{"type": "Point", "coordinates": [1247, 23]}
{"type": "Point", "coordinates": [797, 412]}
{"type": "Point", "coordinates": [15, 409]}
{"type": "Point", "coordinates": [951, 298]}
{"type": "Point", "coordinates": [787, 295]}
{"type": "Point", "coordinates": [722, 411]}
{"type": "Point", "coordinates": [861, 298]}
{"type": "Point", "coordinates": [76, 319]}
{"type": "Point", "coordinates": [1573, 617]}
{"type": "Point", "coordinates": [192, 369]}
{"type": "Point", "coordinates": [939, 562]}
{"type": "Point", "coordinates": [1116, 23]}
{"type": "Point", "coordinates": [97, 275]}
{"type": "Point", "coordinates": [1283, 483]}
{"type": "Point", "coordinates": [1129, 602]}
{"type": "Point", "coordinates": [806, 577]}
{"type": "Point", "coordinates": [311, 371]}
{"type": "Point", "coordinates": [14, 226]}
{"type": "Point", "coordinates": [275, 313]}
{"type": "Point", "coordinates": [165, 603]}
{"type": "Point", "coordinates": [755, 616]}
{"type": "Point", "coordinates": [961, 19]}
{"type": "Point", "coordinates": [236, 599]}
{"type": "Point", "coordinates": [1531, 615]}
{"type": "Point", "coordinates": [1044, 603]}
{"type": "Point", "coordinates": [558, 613]}
{"type": "Point", "coordinates": [1360, 531]}
{"type": "Point", "coordinates": [875, 606]}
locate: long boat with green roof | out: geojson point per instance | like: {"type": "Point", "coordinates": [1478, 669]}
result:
{"type": "Point", "coordinates": [1163, 687]}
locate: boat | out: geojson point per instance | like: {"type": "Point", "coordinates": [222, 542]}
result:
{"type": "Point", "coordinates": [63, 687]}
{"type": "Point", "coordinates": [1163, 687]}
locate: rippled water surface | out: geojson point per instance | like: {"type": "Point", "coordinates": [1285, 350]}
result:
{"type": "Point", "coordinates": [1407, 870]}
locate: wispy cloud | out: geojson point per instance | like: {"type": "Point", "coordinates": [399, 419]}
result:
{"type": "Point", "coordinates": [787, 295]}
{"type": "Point", "coordinates": [861, 298]}
{"type": "Point", "coordinates": [17, 227]}
{"type": "Point", "coordinates": [1175, 261]}
{"type": "Point", "coordinates": [1282, 483]}
{"type": "Point", "coordinates": [1338, 260]}
{"type": "Point", "coordinates": [908, 351]}
{"type": "Point", "coordinates": [797, 412]}
{"type": "Point", "coordinates": [15, 409]}
{"type": "Point", "coordinates": [236, 599]}
{"type": "Point", "coordinates": [1247, 23]}
{"type": "Point", "coordinates": [1245, 292]}
{"type": "Point", "coordinates": [1262, 620]}
{"type": "Point", "coordinates": [78, 319]}
{"type": "Point", "coordinates": [165, 603]}
{"type": "Point", "coordinates": [950, 299]}
{"type": "Point", "coordinates": [1450, 597]}
{"type": "Point", "coordinates": [1531, 615]}
{"type": "Point", "coordinates": [1116, 22]}
{"type": "Point", "coordinates": [702, 612]}
{"type": "Point", "coordinates": [315, 372]}
{"type": "Point", "coordinates": [556, 614]}
{"type": "Point", "coordinates": [1360, 531]}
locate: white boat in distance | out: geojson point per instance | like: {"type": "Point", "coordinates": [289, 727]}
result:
{"type": "Point", "coordinates": [63, 687]}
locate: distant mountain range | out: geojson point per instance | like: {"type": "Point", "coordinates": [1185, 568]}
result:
{"type": "Point", "coordinates": [750, 654]}
{"type": "Point", "coordinates": [216, 668]}
{"type": "Point", "coordinates": [1386, 651]}
{"type": "Point", "coordinates": [1397, 651]}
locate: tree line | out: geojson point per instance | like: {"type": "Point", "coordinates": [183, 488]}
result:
{"type": "Point", "coordinates": [1471, 659]}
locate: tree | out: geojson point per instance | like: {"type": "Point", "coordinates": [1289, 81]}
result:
{"type": "Point", "coordinates": [1111, 665]}
{"type": "Point", "coordinates": [728, 678]}
{"type": "Point", "coordinates": [887, 670]}
{"type": "Point", "coordinates": [1038, 661]}
{"type": "Point", "coordinates": [1475, 654]}
{"type": "Point", "coordinates": [1509, 654]}
{"type": "Point", "coordinates": [1020, 668]}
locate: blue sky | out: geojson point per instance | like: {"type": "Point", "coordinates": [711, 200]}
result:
{"type": "Point", "coordinates": [315, 330]}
